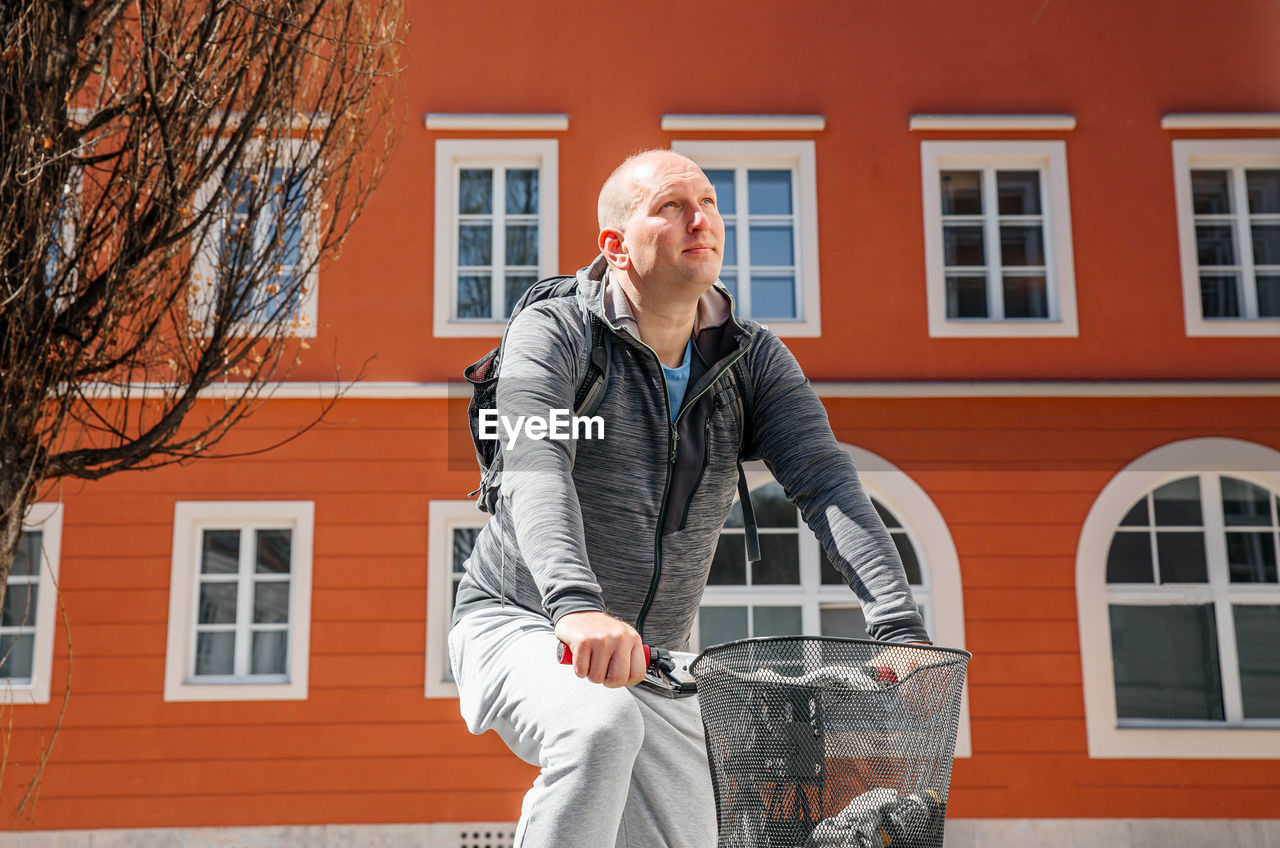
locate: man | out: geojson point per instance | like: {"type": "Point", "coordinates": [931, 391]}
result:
{"type": "Point", "coordinates": [606, 544]}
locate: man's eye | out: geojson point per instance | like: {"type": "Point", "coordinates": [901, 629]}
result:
{"type": "Point", "coordinates": [710, 200]}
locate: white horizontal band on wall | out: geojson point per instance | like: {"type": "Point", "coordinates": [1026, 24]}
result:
{"type": "Point", "coordinates": [496, 123]}
{"type": "Point", "coordinates": [993, 122]}
{"type": "Point", "coordinates": [744, 123]}
{"type": "Point", "coordinates": [1222, 121]}
{"type": "Point", "coordinates": [443, 391]}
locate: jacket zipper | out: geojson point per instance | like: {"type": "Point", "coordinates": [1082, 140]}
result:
{"type": "Point", "coordinates": [673, 442]}
{"type": "Point", "coordinates": [671, 464]}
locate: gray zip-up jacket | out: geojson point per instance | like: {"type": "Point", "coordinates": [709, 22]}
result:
{"type": "Point", "coordinates": [628, 524]}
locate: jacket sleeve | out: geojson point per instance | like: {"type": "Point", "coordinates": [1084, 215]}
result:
{"type": "Point", "coordinates": [789, 430]}
{"type": "Point", "coordinates": [539, 372]}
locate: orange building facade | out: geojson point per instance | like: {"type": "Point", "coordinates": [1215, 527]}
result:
{"type": "Point", "coordinates": [1028, 254]}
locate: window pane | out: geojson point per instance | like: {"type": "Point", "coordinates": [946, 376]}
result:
{"type": "Point", "coordinates": [772, 507]}
{"type": "Point", "coordinates": [1244, 504]}
{"type": "Point", "coordinates": [1211, 192]}
{"type": "Point", "coordinates": [910, 563]}
{"type": "Point", "coordinates": [220, 552]}
{"type": "Point", "coordinates": [1166, 662]}
{"type": "Point", "coordinates": [771, 245]}
{"type": "Point", "coordinates": [1251, 557]}
{"type": "Point", "coordinates": [1264, 191]}
{"type": "Point", "coordinates": [215, 653]}
{"type": "Point", "coordinates": [845, 622]}
{"type": "Point", "coordinates": [522, 192]}
{"type": "Point", "coordinates": [1268, 295]}
{"type": "Point", "coordinates": [522, 245]}
{"type": "Point", "coordinates": [1177, 504]}
{"type": "Point", "coordinates": [769, 192]}
{"type": "Point", "coordinates": [729, 565]}
{"type": "Point", "coordinates": [830, 576]}
{"type": "Point", "coordinates": [1257, 635]}
{"type": "Point", "coordinates": [730, 244]}
{"type": "Point", "coordinates": [27, 558]}
{"type": "Point", "coordinates": [1019, 192]}
{"type": "Point", "coordinates": [1025, 296]}
{"type": "Point", "coordinates": [475, 191]}
{"type": "Point", "coordinates": [19, 605]}
{"type": "Point", "coordinates": [776, 621]}
{"type": "Point", "coordinates": [1215, 244]}
{"type": "Point", "coordinates": [1220, 295]}
{"type": "Point", "coordinates": [517, 285]}
{"type": "Point", "coordinates": [217, 603]}
{"type": "Point", "coordinates": [270, 650]}
{"type": "Point", "coordinates": [1129, 560]}
{"type": "Point", "coordinates": [474, 295]}
{"type": "Point", "coordinates": [963, 245]}
{"type": "Point", "coordinates": [475, 245]}
{"type": "Point", "coordinates": [730, 281]}
{"type": "Point", "coordinates": [723, 182]}
{"type": "Point", "coordinates": [773, 297]}
{"type": "Point", "coordinates": [1266, 244]}
{"type": "Point", "coordinates": [464, 539]}
{"type": "Point", "coordinates": [274, 551]}
{"type": "Point", "coordinates": [961, 192]}
{"type": "Point", "coordinates": [889, 519]}
{"type": "Point", "coordinates": [1137, 516]}
{"type": "Point", "coordinates": [1181, 558]}
{"type": "Point", "coordinates": [779, 560]}
{"type": "Point", "coordinates": [966, 296]}
{"type": "Point", "coordinates": [721, 624]}
{"type": "Point", "coordinates": [1022, 245]}
{"type": "Point", "coordinates": [271, 602]}
{"type": "Point", "coordinates": [16, 654]}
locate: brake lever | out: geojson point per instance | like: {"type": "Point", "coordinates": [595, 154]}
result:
{"type": "Point", "coordinates": [666, 672]}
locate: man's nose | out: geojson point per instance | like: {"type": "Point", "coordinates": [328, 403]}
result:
{"type": "Point", "coordinates": [699, 220]}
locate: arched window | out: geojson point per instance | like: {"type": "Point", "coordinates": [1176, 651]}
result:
{"type": "Point", "coordinates": [1180, 603]}
{"type": "Point", "coordinates": [794, 588]}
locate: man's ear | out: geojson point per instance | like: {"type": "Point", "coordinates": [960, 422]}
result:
{"type": "Point", "coordinates": [614, 248]}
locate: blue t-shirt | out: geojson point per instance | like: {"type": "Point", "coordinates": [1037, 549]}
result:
{"type": "Point", "coordinates": [678, 380]}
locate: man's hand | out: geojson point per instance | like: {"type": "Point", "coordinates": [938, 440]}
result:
{"type": "Point", "coordinates": [902, 660]}
{"type": "Point", "coordinates": [605, 649]}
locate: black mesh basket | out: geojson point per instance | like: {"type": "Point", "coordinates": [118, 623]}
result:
{"type": "Point", "coordinates": [827, 743]}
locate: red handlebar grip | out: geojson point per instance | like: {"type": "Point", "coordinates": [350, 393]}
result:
{"type": "Point", "coordinates": [565, 654]}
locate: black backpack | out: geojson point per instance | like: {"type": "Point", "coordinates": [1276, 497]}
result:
{"type": "Point", "coordinates": [483, 375]}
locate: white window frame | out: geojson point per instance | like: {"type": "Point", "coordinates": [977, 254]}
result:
{"type": "Point", "coordinates": [452, 155]}
{"type": "Point", "coordinates": [1050, 159]}
{"type": "Point", "coordinates": [798, 157]}
{"type": "Point", "coordinates": [928, 532]}
{"type": "Point", "coordinates": [190, 518]}
{"type": "Point", "coordinates": [45, 517]}
{"type": "Point", "coordinates": [204, 271]}
{"type": "Point", "coordinates": [1108, 736]}
{"type": "Point", "coordinates": [1223, 154]}
{"type": "Point", "coordinates": [443, 517]}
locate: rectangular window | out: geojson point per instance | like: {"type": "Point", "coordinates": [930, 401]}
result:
{"type": "Point", "coordinates": [29, 610]}
{"type": "Point", "coordinates": [452, 530]}
{"type": "Point", "coordinates": [239, 611]}
{"type": "Point", "coordinates": [998, 239]}
{"type": "Point", "coordinates": [496, 226]}
{"type": "Point", "coordinates": [766, 193]}
{"type": "Point", "coordinates": [262, 243]}
{"type": "Point", "coordinates": [1228, 203]}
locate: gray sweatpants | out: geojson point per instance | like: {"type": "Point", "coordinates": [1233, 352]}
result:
{"type": "Point", "coordinates": [621, 767]}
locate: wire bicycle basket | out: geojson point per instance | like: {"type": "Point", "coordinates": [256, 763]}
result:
{"type": "Point", "coordinates": [819, 742]}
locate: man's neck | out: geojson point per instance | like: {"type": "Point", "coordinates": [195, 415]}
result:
{"type": "Point", "coordinates": [665, 323]}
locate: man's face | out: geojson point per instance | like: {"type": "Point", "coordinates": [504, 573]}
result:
{"type": "Point", "coordinates": [675, 235]}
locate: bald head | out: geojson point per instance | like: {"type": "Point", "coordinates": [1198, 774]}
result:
{"type": "Point", "coordinates": [619, 194]}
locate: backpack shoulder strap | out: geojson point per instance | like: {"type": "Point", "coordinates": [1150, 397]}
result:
{"type": "Point", "coordinates": [599, 338]}
{"type": "Point", "coordinates": [741, 411]}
